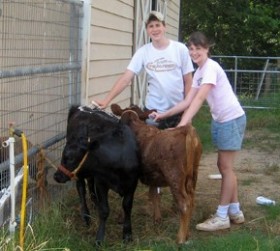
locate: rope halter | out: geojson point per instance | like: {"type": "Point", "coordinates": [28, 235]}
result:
{"type": "Point", "coordinates": [73, 175]}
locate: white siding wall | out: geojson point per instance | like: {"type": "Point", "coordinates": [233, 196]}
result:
{"type": "Point", "coordinates": [111, 46]}
{"type": "Point", "coordinates": [172, 19]}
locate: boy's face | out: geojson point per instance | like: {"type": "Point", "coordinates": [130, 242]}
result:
{"type": "Point", "coordinates": [155, 30]}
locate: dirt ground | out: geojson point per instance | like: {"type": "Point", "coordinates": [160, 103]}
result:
{"type": "Point", "coordinates": [258, 174]}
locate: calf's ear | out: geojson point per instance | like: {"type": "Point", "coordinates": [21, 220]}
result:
{"type": "Point", "coordinates": [116, 109]}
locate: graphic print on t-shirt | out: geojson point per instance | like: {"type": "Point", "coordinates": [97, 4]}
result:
{"type": "Point", "coordinates": [161, 65]}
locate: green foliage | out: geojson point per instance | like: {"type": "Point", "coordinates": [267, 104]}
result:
{"type": "Point", "coordinates": [263, 119]}
{"type": "Point", "coordinates": [202, 123]}
{"type": "Point", "coordinates": [239, 27]}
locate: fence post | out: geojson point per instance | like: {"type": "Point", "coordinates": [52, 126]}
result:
{"type": "Point", "coordinates": [85, 51]}
{"type": "Point", "coordinates": [262, 79]}
{"type": "Point", "coordinates": [13, 224]}
{"type": "Point", "coordinates": [235, 73]}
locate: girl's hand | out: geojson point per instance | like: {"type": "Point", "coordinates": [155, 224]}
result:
{"type": "Point", "coordinates": [184, 123]}
{"type": "Point", "coordinates": [155, 116]}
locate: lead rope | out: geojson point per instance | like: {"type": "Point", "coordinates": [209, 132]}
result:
{"type": "Point", "coordinates": [79, 166]}
{"type": "Point", "coordinates": [74, 173]}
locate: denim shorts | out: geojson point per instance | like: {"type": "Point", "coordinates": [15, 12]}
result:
{"type": "Point", "coordinates": [228, 135]}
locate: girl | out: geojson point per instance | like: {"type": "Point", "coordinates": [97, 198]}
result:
{"type": "Point", "coordinates": [228, 125]}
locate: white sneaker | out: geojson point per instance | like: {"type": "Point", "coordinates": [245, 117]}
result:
{"type": "Point", "coordinates": [237, 218]}
{"type": "Point", "coordinates": [214, 223]}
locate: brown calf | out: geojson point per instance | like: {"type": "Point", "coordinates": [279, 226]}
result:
{"type": "Point", "coordinates": [143, 115]}
{"type": "Point", "coordinates": [169, 158]}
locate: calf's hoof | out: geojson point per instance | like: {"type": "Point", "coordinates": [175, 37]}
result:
{"type": "Point", "coordinates": [182, 240]}
{"type": "Point", "coordinates": [127, 238]}
{"type": "Point", "coordinates": [157, 221]}
{"type": "Point", "coordinates": [87, 220]}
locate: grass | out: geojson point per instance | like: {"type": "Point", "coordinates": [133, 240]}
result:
{"type": "Point", "coordinates": [60, 227]}
{"type": "Point", "coordinates": [262, 126]}
{"type": "Point", "coordinates": [57, 230]}
{"type": "Point", "coordinates": [202, 123]}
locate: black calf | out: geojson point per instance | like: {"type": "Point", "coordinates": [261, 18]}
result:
{"type": "Point", "coordinates": [102, 150]}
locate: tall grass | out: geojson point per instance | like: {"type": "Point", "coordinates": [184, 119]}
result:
{"type": "Point", "coordinates": [57, 230]}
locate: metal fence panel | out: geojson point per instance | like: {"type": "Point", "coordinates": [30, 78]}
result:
{"type": "Point", "coordinates": [40, 76]}
{"type": "Point", "coordinates": [255, 80]}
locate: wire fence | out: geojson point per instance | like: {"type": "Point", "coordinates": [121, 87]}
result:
{"type": "Point", "coordinates": [255, 80]}
{"type": "Point", "coordinates": [40, 77]}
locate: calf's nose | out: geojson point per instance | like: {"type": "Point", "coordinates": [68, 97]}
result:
{"type": "Point", "coordinates": [59, 177]}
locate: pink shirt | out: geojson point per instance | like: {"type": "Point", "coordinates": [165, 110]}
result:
{"type": "Point", "coordinates": [223, 103]}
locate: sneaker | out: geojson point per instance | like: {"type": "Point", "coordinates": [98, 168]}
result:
{"type": "Point", "coordinates": [214, 223]}
{"type": "Point", "coordinates": [237, 218]}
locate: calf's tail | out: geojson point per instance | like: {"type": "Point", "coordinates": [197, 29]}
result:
{"type": "Point", "coordinates": [193, 153]}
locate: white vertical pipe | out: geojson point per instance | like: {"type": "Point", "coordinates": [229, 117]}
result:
{"type": "Point", "coordinates": [13, 224]}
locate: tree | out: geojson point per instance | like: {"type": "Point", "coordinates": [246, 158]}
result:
{"type": "Point", "coordinates": [239, 27]}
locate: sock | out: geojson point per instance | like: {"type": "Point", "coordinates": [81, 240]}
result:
{"type": "Point", "coordinates": [222, 211]}
{"type": "Point", "coordinates": [234, 208]}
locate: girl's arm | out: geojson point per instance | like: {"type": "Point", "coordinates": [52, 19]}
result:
{"type": "Point", "coordinates": [195, 104]}
{"type": "Point", "coordinates": [177, 108]}
{"type": "Point", "coordinates": [187, 83]}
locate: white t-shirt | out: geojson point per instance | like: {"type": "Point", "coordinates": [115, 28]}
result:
{"type": "Point", "coordinates": [165, 70]}
{"type": "Point", "coordinates": [223, 103]}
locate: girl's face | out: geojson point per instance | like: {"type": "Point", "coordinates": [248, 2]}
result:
{"type": "Point", "coordinates": [198, 54]}
{"type": "Point", "coordinates": [156, 30]}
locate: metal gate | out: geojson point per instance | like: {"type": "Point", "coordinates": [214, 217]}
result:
{"type": "Point", "coordinates": [40, 76]}
{"type": "Point", "coordinates": [255, 80]}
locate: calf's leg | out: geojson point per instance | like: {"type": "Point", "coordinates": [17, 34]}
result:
{"type": "Point", "coordinates": [103, 212]}
{"type": "Point", "coordinates": [81, 189]}
{"type": "Point", "coordinates": [184, 202]}
{"type": "Point", "coordinates": [92, 192]}
{"type": "Point", "coordinates": [127, 207]}
{"type": "Point", "coordinates": [154, 196]}
{"type": "Point", "coordinates": [183, 231]}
